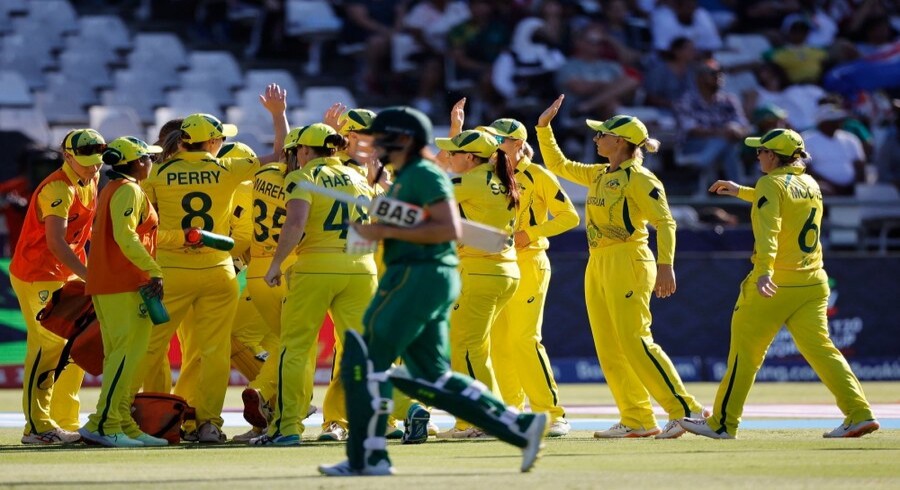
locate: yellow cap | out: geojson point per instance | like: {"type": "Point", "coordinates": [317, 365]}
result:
{"type": "Point", "coordinates": [86, 145]}
{"type": "Point", "coordinates": [782, 141]}
{"type": "Point", "coordinates": [472, 141]}
{"type": "Point", "coordinates": [507, 128]}
{"type": "Point", "coordinates": [355, 120]}
{"type": "Point", "coordinates": [128, 149]}
{"type": "Point", "coordinates": [204, 127]}
{"type": "Point", "coordinates": [312, 135]}
{"type": "Point", "coordinates": [236, 149]}
{"type": "Point", "coordinates": [629, 128]}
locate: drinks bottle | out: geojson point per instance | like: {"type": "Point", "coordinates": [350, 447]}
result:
{"type": "Point", "coordinates": [209, 239]}
{"type": "Point", "coordinates": [155, 308]}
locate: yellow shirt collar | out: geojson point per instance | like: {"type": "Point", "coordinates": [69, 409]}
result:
{"type": "Point", "coordinates": [73, 177]}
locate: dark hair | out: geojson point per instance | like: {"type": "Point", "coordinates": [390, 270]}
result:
{"type": "Point", "coordinates": [778, 71]}
{"type": "Point", "coordinates": [337, 143]}
{"type": "Point", "coordinates": [676, 44]}
{"type": "Point", "coordinates": [800, 155]}
{"type": "Point", "coordinates": [505, 169]}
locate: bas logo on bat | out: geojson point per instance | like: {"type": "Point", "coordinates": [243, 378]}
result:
{"type": "Point", "coordinates": [397, 212]}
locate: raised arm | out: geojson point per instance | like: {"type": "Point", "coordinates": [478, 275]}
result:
{"type": "Point", "coordinates": [554, 159]}
{"type": "Point", "coordinates": [275, 101]}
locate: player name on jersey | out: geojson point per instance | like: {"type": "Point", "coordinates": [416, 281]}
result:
{"type": "Point", "coordinates": [272, 190]}
{"type": "Point", "coordinates": [193, 177]}
{"type": "Point", "coordinates": [339, 180]}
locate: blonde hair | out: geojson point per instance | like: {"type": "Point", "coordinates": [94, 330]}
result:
{"type": "Point", "coordinates": [650, 144]}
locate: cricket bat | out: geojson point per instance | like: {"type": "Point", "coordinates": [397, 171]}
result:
{"type": "Point", "coordinates": [399, 213]}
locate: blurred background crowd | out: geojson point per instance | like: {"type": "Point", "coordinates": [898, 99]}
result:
{"type": "Point", "coordinates": [702, 74]}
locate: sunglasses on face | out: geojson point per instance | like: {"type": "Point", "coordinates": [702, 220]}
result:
{"type": "Point", "coordinates": [601, 134]}
{"type": "Point", "coordinates": [87, 150]}
{"type": "Point", "coordinates": [150, 158]}
{"type": "Point", "coordinates": [500, 139]}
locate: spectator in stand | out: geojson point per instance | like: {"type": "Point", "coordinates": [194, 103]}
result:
{"type": "Point", "coordinates": [823, 27]}
{"type": "Point", "coordinates": [671, 77]}
{"type": "Point", "coordinates": [623, 26]}
{"type": "Point", "coordinates": [713, 125]}
{"type": "Point", "coordinates": [802, 62]}
{"type": "Point", "coordinates": [888, 158]}
{"type": "Point", "coordinates": [372, 22]}
{"type": "Point", "coordinates": [758, 16]}
{"type": "Point", "coordinates": [476, 44]}
{"type": "Point", "coordinates": [428, 23]}
{"type": "Point", "coordinates": [839, 158]}
{"type": "Point", "coordinates": [35, 164]}
{"type": "Point", "coordinates": [684, 18]}
{"type": "Point", "coordinates": [523, 74]}
{"type": "Point", "coordinates": [800, 101]}
{"type": "Point", "coordinates": [873, 35]}
{"type": "Point", "coordinates": [596, 85]}
{"type": "Point", "coordinates": [557, 29]}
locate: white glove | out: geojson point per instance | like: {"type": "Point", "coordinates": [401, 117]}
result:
{"type": "Point", "coordinates": [357, 245]}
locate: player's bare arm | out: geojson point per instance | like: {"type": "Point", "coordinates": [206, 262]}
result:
{"type": "Point", "coordinates": [274, 99]}
{"type": "Point", "coordinates": [55, 229]}
{"type": "Point", "coordinates": [291, 233]}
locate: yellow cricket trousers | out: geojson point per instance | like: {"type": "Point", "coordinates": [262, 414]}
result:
{"type": "Point", "coordinates": [617, 286]}
{"type": "Point", "coordinates": [45, 403]}
{"type": "Point", "coordinates": [486, 288]}
{"type": "Point", "coordinates": [212, 293]}
{"type": "Point", "coordinates": [310, 295]}
{"type": "Point", "coordinates": [519, 358]}
{"type": "Point", "coordinates": [754, 324]}
{"type": "Point", "coordinates": [268, 302]}
{"type": "Point", "coordinates": [125, 327]}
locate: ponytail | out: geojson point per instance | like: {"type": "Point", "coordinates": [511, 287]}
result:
{"type": "Point", "coordinates": [333, 143]}
{"type": "Point", "coordinates": [171, 144]}
{"type": "Point", "coordinates": [505, 170]}
{"type": "Point", "coordinates": [650, 144]}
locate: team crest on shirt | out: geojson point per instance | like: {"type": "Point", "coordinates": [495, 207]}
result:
{"type": "Point", "coordinates": [613, 184]}
{"type": "Point", "coordinates": [43, 295]}
{"type": "Point", "coordinates": [142, 310]}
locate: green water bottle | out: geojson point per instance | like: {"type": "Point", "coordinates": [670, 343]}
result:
{"type": "Point", "coordinates": [155, 307]}
{"type": "Point", "coordinates": [212, 240]}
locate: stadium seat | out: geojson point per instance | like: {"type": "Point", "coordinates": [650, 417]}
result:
{"type": "Point", "coordinates": [313, 21]}
{"type": "Point", "coordinates": [53, 20]}
{"type": "Point", "coordinates": [82, 65]}
{"type": "Point", "coordinates": [21, 53]}
{"type": "Point", "coordinates": [115, 121]}
{"type": "Point", "coordinates": [742, 49]}
{"type": "Point", "coordinates": [250, 116]}
{"type": "Point", "coordinates": [209, 82]}
{"type": "Point", "coordinates": [110, 28]}
{"type": "Point", "coordinates": [13, 7]}
{"type": "Point", "coordinates": [221, 64]}
{"type": "Point", "coordinates": [64, 101]}
{"type": "Point", "coordinates": [159, 51]}
{"type": "Point", "coordinates": [137, 90]}
{"type": "Point", "coordinates": [30, 121]}
{"type": "Point", "coordinates": [14, 90]}
{"type": "Point", "coordinates": [317, 100]}
{"type": "Point", "coordinates": [97, 47]}
{"type": "Point", "coordinates": [184, 102]}
{"type": "Point", "coordinates": [880, 213]}
{"type": "Point", "coordinates": [257, 80]}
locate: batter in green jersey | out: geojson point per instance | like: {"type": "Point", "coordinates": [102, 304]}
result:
{"type": "Point", "coordinates": [408, 315]}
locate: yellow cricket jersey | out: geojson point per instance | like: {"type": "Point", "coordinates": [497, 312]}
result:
{"type": "Point", "coordinates": [328, 220]}
{"type": "Point", "coordinates": [786, 216]}
{"type": "Point", "coordinates": [242, 219]}
{"type": "Point", "coordinates": [540, 193]}
{"type": "Point", "coordinates": [619, 203]}
{"type": "Point", "coordinates": [128, 208]}
{"type": "Point", "coordinates": [349, 162]}
{"type": "Point", "coordinates": [268, 209]}
{"type": "Point", "coordinates": [195, 189]}
{"type": "Point", "coordinates": [57, 197]}
{"type": "Point", "coordinates": [482, 198]}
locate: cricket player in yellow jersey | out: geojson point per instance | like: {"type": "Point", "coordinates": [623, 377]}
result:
{"type": "Point", "coordinates": [520, 359]}
{"type": "Point", "coordinates": [623, 197]}
{"type": "Point", "coordinates": [194, 189]}
{"type": "Point", "coordinates": [787, 286]}
{"type": "Point", "coordinates": [486, 192]}
{"type": "Point", "coordinates": [122, 263]}
{"type": "Point", "coordinates": [324, 277]}
{"type": "Point", "coordinates": [51, 251]}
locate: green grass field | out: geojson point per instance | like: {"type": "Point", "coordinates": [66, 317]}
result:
{"type": "Point", "coordinates": [760, 459]}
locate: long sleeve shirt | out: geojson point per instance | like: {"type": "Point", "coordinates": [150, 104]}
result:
{"type": "Point", "coordinates": [539, 194]}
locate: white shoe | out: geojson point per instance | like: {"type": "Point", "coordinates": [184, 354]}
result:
{"type": "Point", "coordinates": [52, 436]}
{"type": "Point", "coordinates": [334, 432]}
{"type": "Point", "coordinates": [383, 468]}
{"type": "Point", "coordinates": [673, 428]}
{"type": "Point", "coordinates": [191, 436]}
{"type": "Point", "coordinates": [250, 434]}
{"type": "Point", "coordinates": [535, 435]}
{"type": "Point", "coordinates": [701, 428]}
{"type": "Point", "coordinates": [118, 439]}
{"type": "Point", "coordinates": [210, 434]}
{"type": "Point", "coordinates": [559, 428]}
{"type": "Point", "coordinates": [433, 429]}
{"type": "Point", "coordinates": [858, 429]}
{"type": "Point", "coordinates": [470, 433]}
{"type": "Point", "coordinates": [151, 441]}
{"type": "Point", "coordinates": [621, 431]}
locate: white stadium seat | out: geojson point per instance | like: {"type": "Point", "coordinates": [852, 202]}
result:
{"type": "Point", "coordinates": [115, 121]}
{"type": "Point", "coordinates": [257, 80]}
{"type": "Point", "coordinates": [110, 28]}
{"type": "Point", "coordinates": [14, 90]}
